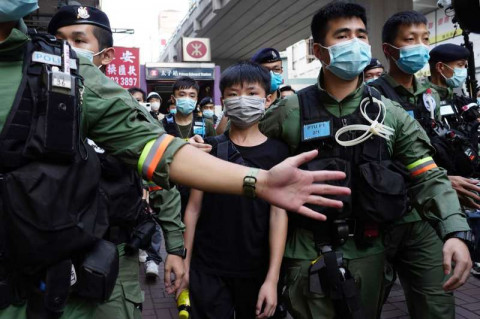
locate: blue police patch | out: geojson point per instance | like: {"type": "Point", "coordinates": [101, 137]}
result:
{"type": "Point", "coordinates": [316, 130]}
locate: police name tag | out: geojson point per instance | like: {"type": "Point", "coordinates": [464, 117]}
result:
{"type": "Point", "coordinates": [316, 130]}
{"type": "Point", "coordinates": [411, 113]}
{"type": "Point", "coordinates": [47, 58]}
{"type": "Point", "coordinates": [52, 59]}
{"type": "Point", "coordinates": [61, 80]}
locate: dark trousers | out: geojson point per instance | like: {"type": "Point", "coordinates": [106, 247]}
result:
{"type": "Point", "coordinates": [219, 297]}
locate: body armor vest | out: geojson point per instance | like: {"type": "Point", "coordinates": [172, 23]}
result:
{"type": "Point", "coordinates": [455, 143]}
{"type": "Point", "coordinates": [377, 183]}
{"type": "Point", "coordinates": [198, 126]}
{"type": "Point", "coordinates": [49, 177]}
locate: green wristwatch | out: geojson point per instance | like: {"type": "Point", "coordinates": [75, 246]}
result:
{"type": "Point", "coordinates": [249, 182]}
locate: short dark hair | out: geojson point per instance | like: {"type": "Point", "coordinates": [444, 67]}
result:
{"type": "Point", "coordinates": [287, 88]}
{"type": "Point", "coordinates": [104, 38]}
{"type": "Point", "coordinates": [134, 90]}
{"type": "Point", "coordinates": [185, 82]}
{"type": "Point", "coordinates": [390, 28]}
{"type": "Point", "coordinates": [245, 72]}
{"type": "Point", "coordinates": [332, 11]}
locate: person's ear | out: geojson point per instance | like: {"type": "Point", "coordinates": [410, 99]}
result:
{"type": "Point", "coordinates": [387, 50]}
{"type": "Point", "coordinates": [108, 55]}
{"type": "Point", "coordinates": [439, 67]}
{"type": "Point", "coordinates": [321, 53]}
{"type": "Point", "coordinates": [268, 100]}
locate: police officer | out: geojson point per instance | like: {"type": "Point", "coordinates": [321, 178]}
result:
{"type": "Point", "coordinates": [270, 59]}
{"type": "Point", "coordinates": [413, 246]}
{"type": "Point", "coordinates": [119, 182]}
{"type": "Point", "coordinates": [321, 116]}
{"type": "Point", "coordinates": [373, 70]}
{"type": "Point", "coordinates": [111, 118]}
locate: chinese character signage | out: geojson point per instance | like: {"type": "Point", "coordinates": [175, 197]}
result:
{"type": "Point", "coordinates": [125, 68]}
{"type": "Point", "coordinates": [196, 49]}
{"type": "Point", "coordinates": [173, 72]}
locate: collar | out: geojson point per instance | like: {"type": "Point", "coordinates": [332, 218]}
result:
{"type": "Point", "coordinates": [444, 92]}
{"type": "Point", "coordinates": [358, 92]}
{"type": "Point", "coordinates": [13, 45]}
{"type": "Point", "coordinates": [419, 87]}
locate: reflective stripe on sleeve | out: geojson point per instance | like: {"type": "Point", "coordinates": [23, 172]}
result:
{"type": "Point", "coordinates": [153, 187]}
{"type": "Point", "coordinates": [152, 154]}
{"type": "Point", "coordinates": [421, 166]}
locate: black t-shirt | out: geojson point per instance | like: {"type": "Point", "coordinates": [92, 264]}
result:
{"type": "Point", "coordinates": [231, 237]}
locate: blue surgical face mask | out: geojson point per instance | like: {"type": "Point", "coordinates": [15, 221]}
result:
{"type": "Point", "coordinates": [412, 57]}
{"type": "Point", "coordinates": [185, 105]}
{"type": "Point", "coordinates": [348, 58]}
{"type": "Point", "coordinates": [459, 76]}
{"type": "Point", "coordinates": [173, 111]}
{"type": "Point", "coordinates": [87, 54]}
{"type": "Point", "coordinates": [371, 80]}
{"type": "Point", "coordinates": [208, 114]}
{"type": "Point", "coordinates": [14, 10]}
{"type": "Point", "coordinates": [276, 79]}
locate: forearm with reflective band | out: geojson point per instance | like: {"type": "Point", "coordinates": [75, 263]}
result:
{"type": "Point", "coordinates": [152, 154]}
{"type": "Point", "coordinates": [421, 166]}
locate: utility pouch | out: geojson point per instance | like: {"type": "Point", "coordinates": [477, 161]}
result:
{"type": "Point", "coordinates": [4, 293]}
{"type": "Point", "coordinates": [333, 164]}
{"type": "Point", "coordinates": [382, 192]}
{"type": "Point", "coordinates": [57, 286]}
{"type": "Point", "coordinates": [54, 128]}
{"type": "Point", "coordinates": [98, 272]}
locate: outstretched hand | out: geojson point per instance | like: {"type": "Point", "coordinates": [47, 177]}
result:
{"type": "Point", "coordinates": [467, 191]}
{"type": "Point", "coordinates": [290, 188]}
{"type": "Point", "coordinates": [199, 143]}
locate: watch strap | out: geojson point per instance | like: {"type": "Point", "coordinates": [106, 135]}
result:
{"type": "Point", "coordinates": [249, 182]}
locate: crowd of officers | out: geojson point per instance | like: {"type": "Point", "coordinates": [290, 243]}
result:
{"type": "Point", "coordinates": [89, 174]}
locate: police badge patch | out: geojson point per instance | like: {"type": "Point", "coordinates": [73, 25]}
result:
{"type": "Point", "coordinates": [82, 13]}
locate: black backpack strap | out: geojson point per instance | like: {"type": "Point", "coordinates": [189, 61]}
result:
{"type": "Point", "coordinates": [389, 92]}
{"type": "Point", "coordinates": [225, 149]}
{"type": "Point", "coordinates": [169, 125]}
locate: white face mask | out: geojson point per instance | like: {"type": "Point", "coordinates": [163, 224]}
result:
{"type": "Point", "coordinates": [155, 106]}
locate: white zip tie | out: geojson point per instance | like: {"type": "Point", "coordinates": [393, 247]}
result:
{"type": "Point", "coordinates": [375, 128]}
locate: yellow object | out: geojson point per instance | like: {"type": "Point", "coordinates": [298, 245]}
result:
{"type": "Point", "coordinates": [183, 305]}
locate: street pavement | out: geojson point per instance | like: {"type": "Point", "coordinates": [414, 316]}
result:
{"type": "Point", "coordinates": [159, 305]}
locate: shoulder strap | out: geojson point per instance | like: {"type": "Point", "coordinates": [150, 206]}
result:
{"type": "Point", "coordinates": [169, 125]}
{"type": "Point", "coordinates": [389, 92]}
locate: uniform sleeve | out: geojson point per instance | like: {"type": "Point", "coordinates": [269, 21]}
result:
{"type": "Point", "coordinates": [166, 204]}
{"type": "Point", "coordinates": [430, 189]}
{"type": "Point", "coordinates": [282, 121]}
{"type": "Point", "coordinates": [210, 130]}
{"type": "Point", "coordinates": [118, 124]}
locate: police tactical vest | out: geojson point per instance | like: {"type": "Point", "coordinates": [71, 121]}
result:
{"type": "Point", "coordinates": [121, 195]}
{"type": "Point", "coordinates": [49, 176]}
{"type": "Point", "coordinates": [456, 147]}
{"type": "Point", "coordinates": [198, 126]}
{"type": "Point", "coordinates": [418, 111]}
{"type": "Point", "coordinates": [377, 183]}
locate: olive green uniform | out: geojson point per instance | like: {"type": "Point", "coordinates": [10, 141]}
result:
{"type": "Point", "coordinates": [433, 197]}
{"type": "Point", "coordinates": [412, 246]}
{"type": "Point", "coordinates": [114, 120]}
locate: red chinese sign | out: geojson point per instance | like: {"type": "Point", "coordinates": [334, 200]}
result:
{"type": "Point", "coordinates": [125, 68]}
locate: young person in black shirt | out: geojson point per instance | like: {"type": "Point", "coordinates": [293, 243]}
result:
{"type": "Point", "coordinates": [237, 242]}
